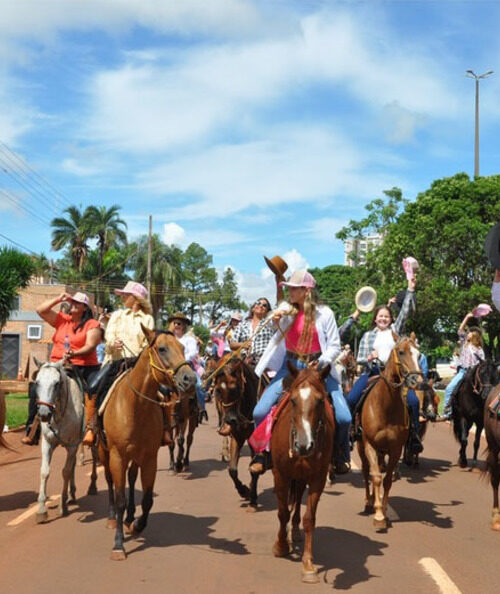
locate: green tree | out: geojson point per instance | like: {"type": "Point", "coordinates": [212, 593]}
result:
{"type": "Point", "coordinates": [73, 234]}
{"type": "Point", "coordinates": [109, 229]}
{"type": "Point", "coordinates": [199, 279]}
{"type": "Point", "coordinates": [224, 296]}
{"type": "Point", "coordinates": [16, 270]}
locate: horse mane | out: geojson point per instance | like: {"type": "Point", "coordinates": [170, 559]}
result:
{"type": "Point", "coordinates": [310, 376]}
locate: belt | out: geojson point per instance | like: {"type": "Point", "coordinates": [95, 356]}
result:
{"type": "Point", "coordinates": [307, 356]}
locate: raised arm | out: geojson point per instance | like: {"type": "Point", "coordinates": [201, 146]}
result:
{"type": "Point", "coordinates": [45, 310]}
{"type": "Point", "coordinates": [409, 306]}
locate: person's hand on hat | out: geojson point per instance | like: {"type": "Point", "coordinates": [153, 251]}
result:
{"type": "Point", "coordinates": [355, 315]}
{"type": "Point", "coordinates": [412, 284]}
{"type": "Point", "coordinates": [64, 297]}
{"type": "Point", "coordinates": [391, 301]}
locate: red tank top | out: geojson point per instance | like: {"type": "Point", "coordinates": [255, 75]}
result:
{"type": "Point", "coordinates": [295, 340]}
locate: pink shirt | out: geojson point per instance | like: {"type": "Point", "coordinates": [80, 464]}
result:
{"type": "Point", "coordinates": [300, 344]}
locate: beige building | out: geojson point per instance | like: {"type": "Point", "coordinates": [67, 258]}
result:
{"type": "Point", "coordinates": [26, 333]}
{"type": "Point", "coordinates": [355, 250]}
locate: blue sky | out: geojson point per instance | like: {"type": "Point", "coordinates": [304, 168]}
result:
{"type": "Point", "coordinates": [250, 126]}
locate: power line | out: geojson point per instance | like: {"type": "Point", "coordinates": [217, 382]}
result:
{"type": "Point", "coordinates": [15, 200]}
{"type": "Point", "coordinates": [18, 244]}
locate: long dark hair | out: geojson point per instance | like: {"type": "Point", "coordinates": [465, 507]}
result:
{"type": "Point", "coordinates": [86, 316]}
{"type": "Point", "coordinates": [375, 313]}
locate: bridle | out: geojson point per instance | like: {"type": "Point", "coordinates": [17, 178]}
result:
{"type": "Point", "coordinates": [408, 378]}
{"type": "Point", "coordinates": [241, 419]}
{"type": "Point", "coordinates": [478, 386]}
{"type": "Point", "coordinates": [318, 433]}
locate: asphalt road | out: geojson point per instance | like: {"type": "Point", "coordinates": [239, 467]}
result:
{"type": "Point", "coordinates": [200, 537]}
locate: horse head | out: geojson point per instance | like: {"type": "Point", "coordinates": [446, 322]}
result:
{"type": "Point", "coordinates": [485, 377]}
{"type": "Point", "coordinates": [403, 363]}
{"type": "Point", "coordinates": [50, 380]}
{"type": "Point", "coordinates": [167, 361]}
{"type": "Point", "coordinates": [229, 385]}
{"type": "Point", "coordinates": [308, 398]}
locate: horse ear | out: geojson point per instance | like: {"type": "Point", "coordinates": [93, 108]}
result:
{"type": "Point", "coordinates": [149, 334]}
{"type": "Point", "coordinates": [395, 336]}
{"type": "Point", "coordinates": [325, 371]}
{"type": "Point", "coordinates": [37, 362]}
{"type": "Point", "coordinates": [292, 369]}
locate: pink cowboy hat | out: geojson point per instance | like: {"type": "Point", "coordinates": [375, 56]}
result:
{"type": "Point", "coordinates": [410, 265]}
{"type": "Point", "coordinates": [81, 298]}
{"type": "Point", "coordinates": [300, 278]}
{"type": "Point", "coordinates": [483, 309]}
{"type": "Point", "coordinates": [135, 289]}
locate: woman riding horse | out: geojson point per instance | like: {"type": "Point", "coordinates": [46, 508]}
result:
{"type": "Point", "coordinates": [375, 348]}
{"type": "Point", "coordinates": [307, 336]}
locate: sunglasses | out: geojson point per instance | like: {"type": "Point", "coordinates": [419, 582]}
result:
{"type": "Point", "coordinates": [178, 323]}
{"type": "Point", "coordinates": [262, 304]}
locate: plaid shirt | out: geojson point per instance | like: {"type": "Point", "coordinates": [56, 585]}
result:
{"type": "Point", "coordinates": [244, 332]}
{"type": "Point", "coordinates": [368, 338]}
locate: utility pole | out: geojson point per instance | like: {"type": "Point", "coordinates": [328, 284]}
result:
{"type": "Point", "coordinates": [477, 77]}
{"type": "Point", "coordinates": [148, 275]}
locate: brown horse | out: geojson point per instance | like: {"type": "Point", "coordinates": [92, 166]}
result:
{"type": "Point", "coordinates": [429, 402]}
{"type": "Point", "coordinates": [301, 450]}
{"type": "Point", "coordinates": [385, 426]}
{"type": "Point", "coordinates": [133, 425]}
{"type": "Point", "coordinates": [185, 414]}
{"type": "Point", "coordinates": [348, 374]}
{"type": "Point", "coordinates": [235, 390]}
{"type": "Point", "coordinates": [492, 430]}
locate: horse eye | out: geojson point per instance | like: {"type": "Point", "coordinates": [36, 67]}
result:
{"type": "Point", "coordinates": [162, 349]}
{"type": "Point", "coordinates": [401, 353]}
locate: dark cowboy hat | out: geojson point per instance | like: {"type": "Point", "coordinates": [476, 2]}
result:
{"type": "Point", "coordinates": [492, 246]}
{"type": "Point", "coordinates": [178, 315]}
{"type": "Point", "coordinates": [277, 265]}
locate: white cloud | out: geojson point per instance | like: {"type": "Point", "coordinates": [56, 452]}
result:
{"type": "Point", "coordinates": [74, 167]}
{"type": "Point", "coordinates": [173, 234]}
{"type": "Point", "coordinates": [400, 124]}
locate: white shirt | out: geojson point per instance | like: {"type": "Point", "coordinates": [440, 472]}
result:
{"type": "Point", "coordinates": [384, 343]}
{"type": "Point", "coordinates": [190, 346]}
{"type": "Point", "coordinates": [495, 295]}
{"type": "Point", "coordinates": [328, 335]}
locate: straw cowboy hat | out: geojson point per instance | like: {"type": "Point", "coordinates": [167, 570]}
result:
{"type": "Point", "coordinates": [80, 298]}
{"type": "Point", "coordinates": [492, 246]}
{"type": "Point", "coordinates": [277, 265]}
{"type": "Point", "coordinates": [135, 289]}
{"type": "Point", "coordinates": [366, 299]}
{"type": "Point", "coordinates": [178, 315]}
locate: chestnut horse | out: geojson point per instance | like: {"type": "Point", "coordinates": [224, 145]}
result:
{"type": "Point", "coordinates": [133, 426]}
{"type": "Point", "coordinates": [492, 430]}
{"type": "Point", "coordinates": [301, 450]}
{"type": "Point", "coordinates": [235, 391]}
{"type": "Point", "coordinates": [185, 415]}
{"type": "Point", "coordinates": [385, 426]}
{"type": "Point", "coordinates": [348, 372]}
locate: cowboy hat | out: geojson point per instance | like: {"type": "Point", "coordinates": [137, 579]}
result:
{"type": "Point", "coordinates": [135, 289]}
{"type": "Point", "coordinates": [277, 265]}
{"type": "Point", "coordinates": [178, 315]}
{"type": "Point", "coordinates": [492, 246]}
{"type": "Point", "coordinates": [236, 316]}
{"type": "Point", "coordinates": [300, 278]}
{"type": "Point", "coordinates": [366, 299]}
{"type": "Point", "coordinates": [80, 298]}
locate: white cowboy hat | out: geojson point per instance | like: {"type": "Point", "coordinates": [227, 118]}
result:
{"type": "Point", "coordinates": [366, 299]}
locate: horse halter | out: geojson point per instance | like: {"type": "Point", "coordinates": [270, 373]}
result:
{"type": "Point", "coordinates": [53, 405]}
{"type": "Point", "coordinates": [478, 386]}
{"type": "Point", "coordinates": [408, 377]}
{"type": "Point", "coordinates": [318, 434]}
{"type": "Point", "coordinates": [236, 402]}
{"type": "Point", "coordinates": [162, 368]}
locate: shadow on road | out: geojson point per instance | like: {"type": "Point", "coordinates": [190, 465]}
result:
{"type": "Point", "coordinates": [427, 469]}
{"type": "Point", "coordinates": [416, 510]}
{"type": "Point", "coordinates": [19, 500]}
{"type": "Point", "coordinates": [167, 529]}
{"type": "Point", "coordinates": [347, 551]}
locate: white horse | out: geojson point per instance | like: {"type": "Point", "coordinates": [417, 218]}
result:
{"type": "Point", "coordinates": [61, 411]}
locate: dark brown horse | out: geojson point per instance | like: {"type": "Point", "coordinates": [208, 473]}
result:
{"type": "Point", "coordinates": [133, 425]}
{"type": "Point", "coordinates": [492, 430]}
{"type": "Point", "coordinates": [385, 426]}
{"type": "Point", "coordinates": [468, 406]}
{"type": "Point", "coordinates": [185, 415]}
{"type": "Point", "coordinates": [429, 401]}
{"type": "Point", "coordinates": [348, 374]}
{"type": "Point", "coordinates": [301, 450]}
{"type": "Point", "coordinates": [235, 390]}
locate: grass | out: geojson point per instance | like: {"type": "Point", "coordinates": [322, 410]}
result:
{"type": "Point", "coordinates": [17, 409]}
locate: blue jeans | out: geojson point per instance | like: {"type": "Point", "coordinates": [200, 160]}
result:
{"type": "Point", "coordinates": [200, 393]}
{"type": "Point", "coordinates": [342, 414]}
{"type": "Point", "coordinates": [360, 384]}
{"type": "Point", "coordinates": [459, 376]}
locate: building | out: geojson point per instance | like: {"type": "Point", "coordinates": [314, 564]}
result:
{"type": "Point", "coordinates": [355, 250]}
{"type": "Point", "coordinates": [26, 333]}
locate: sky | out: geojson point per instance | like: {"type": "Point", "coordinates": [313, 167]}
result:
{"type": "Point", "coordinates": [253, 127]}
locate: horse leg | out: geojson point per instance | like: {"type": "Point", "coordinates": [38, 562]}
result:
{"type": "Point", "coordinates": [81, 455]}
{"type": "Point", "coordinates": [365, 466]}
{"type": "Point", "coordinates": [464, 434]}
{"type": "Point", "coordinates": [192, 423]}
{"type": "Point", "coordinates": [225, 449]}
{"type": "Point", "coordinates": [148, 475]}
{"type": "Point", "coordinates": [281, 486]}
{"type": "Point", "coordinates": [299, 492]}
{"type": "Point", "coordinates": [47, 451]}
{"type": "Point", "coordinates": [309, 572]}
{"type": "Point", "coordinates": [67, 473]}
{"type": "Point", "coordinates": [72, 483]}
{"type": "Point", "coordinates": [493, 466]}
{"type": "Point", "coordinates": [104, 457]}
{"type": "Point", "coordinates": [118, 469]}
{"type": "Point", "coordinates": [92, 490]}
{"type": "Point", "coordinates": [234, 457]}
{"type": "Point", "coordinates": [132, 477]}
{"type": "Point", "coordinates": [252, 504]}
{"type": "Point", "coordinates": [389, 477]}
{"type": "Point", "coordinates": [379, 520]}
{"type": "Point", "coordinates": [477, 442]}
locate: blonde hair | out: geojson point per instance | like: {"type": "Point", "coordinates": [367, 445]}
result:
{"type": "Point", "coordinates": [310, 305]}
{"type": "Point", "coordinates": [144, 304]}
{"type": "Point", "coordinates": [476, 338]}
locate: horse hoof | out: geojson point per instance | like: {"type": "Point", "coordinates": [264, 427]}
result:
{"type": "Point", "coordinates": [128, 527]}
{"type": "Point", "coordinates": [244, 493]}
{"type": "Point", "coordinates": [496, 526]}
{"type": "Point", "coordinates": [310, 577]}
{"type": "Point", "coordinates": [462, 463]}
{"type": "Point", "coordinates": [118, 555]}
{"type": "Point", "coordinates": [369, 509]}
{"type": "Point", "coordinates": [42, 518]}
{"type": "Point", "coordinates": [251, 509]}
{"type": "Point", "coordinates": [111, 524]}
{"type": "Point", "coordinates": [296, 535]}
{"type": "Point", "coordinates": [280, 550]}
{"type": "Point", "coordinates": [380, 525]}
{"type": "Point", "coordinates": [92, 490]}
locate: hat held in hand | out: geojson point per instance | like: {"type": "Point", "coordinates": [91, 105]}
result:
{"type": "Point", "coordinates": [277, 265]}
{"type": "Point", "coordinates": [366, 299]}
{"type": "Point", "coordinates": [410, 266]}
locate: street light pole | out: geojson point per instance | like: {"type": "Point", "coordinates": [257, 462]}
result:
{"type": "Point", "coordinates": [476, 77]}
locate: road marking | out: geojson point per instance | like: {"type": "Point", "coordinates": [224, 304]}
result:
{"type": "Point", "coordinates": [31, 511]}
{"type": "Point", "coordinates": [439, 575]}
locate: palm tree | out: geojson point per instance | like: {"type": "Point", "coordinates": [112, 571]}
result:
{"type": "Point", "coordinates": [72, 233]}
{"type": "Point", "coordinates": [108, 227]}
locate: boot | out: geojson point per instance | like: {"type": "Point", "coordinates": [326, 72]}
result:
{"type": "Point", "coordinates": [90, 419]}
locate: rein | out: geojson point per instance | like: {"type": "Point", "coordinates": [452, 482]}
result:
{"type": "Point", "coordinates": [477, 385]}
